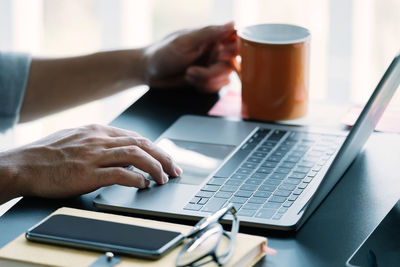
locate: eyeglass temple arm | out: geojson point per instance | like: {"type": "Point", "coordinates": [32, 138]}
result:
{"type": "Point", "coordinates": [235, 229]}
{"type": "Point", "coordinates": [203, 223]}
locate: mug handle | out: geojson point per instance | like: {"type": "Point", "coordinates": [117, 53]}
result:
{"type": "Point", "coordinates": [237, 67]}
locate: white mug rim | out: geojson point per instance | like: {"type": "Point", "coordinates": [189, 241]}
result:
{"type": "Point", "coordinates": [303, 34]}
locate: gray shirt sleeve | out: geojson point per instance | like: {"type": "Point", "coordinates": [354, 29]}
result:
{"type": "Point", "coordinates": [14, 71]}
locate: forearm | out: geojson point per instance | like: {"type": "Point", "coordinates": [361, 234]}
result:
{"type": "Point", "coordinates": [57, 84]}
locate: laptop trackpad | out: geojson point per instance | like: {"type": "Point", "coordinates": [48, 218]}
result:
{"type": "Point", "coordinates": [196, 159]}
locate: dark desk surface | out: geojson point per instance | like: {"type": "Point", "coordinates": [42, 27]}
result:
{"type": "Point", "coordinates": [351, 211]}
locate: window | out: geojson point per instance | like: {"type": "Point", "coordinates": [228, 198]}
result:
{"type": "Point", "coordinates": [352, 41]}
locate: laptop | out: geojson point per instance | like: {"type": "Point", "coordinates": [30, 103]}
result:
{"type": "Point", "coordinates": [275, 175]}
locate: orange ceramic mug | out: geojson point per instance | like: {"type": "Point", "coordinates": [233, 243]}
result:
{"type": "Point", "coordinates": [274, 71]}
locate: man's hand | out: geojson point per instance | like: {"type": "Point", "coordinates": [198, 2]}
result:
{"type": "Point", "coordinates": [200, 58]}
{"type": "Point", "coordinates": [77, 161]}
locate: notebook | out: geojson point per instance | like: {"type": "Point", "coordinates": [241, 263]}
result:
{"type": "Point", "coordinates": [21, 252]}
{"type": "Point", "coordinates": [276, 175]}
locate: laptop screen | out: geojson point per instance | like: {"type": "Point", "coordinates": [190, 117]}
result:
{"type": "Point", "coordinates": [360, 132]}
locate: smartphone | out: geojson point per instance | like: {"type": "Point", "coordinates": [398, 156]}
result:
{"type": "Point", "coordinates": [92, 234]}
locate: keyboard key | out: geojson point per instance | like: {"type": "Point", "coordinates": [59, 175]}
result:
{"type": "Point", "coordinates": [303, 148]}
{"type": "Point", "coordinates": [241, 193]}
{"type": "Point", "coordinates": [278, 176]}
{"type": "Point", "coordinates": [274, 158]}
{"type": "Point", "coordinates": [324, 158]}
{"type": "Point", "coordinates": [302, 185]}
{"type": "Point", "coordinates": [293, 181]}
{"type": "Point", "coordinates": [288, 204]}
{"type": "Point", "coordinates": [239, 176]}
{"type": "Point", "coordinates": [284, 150]}
{"type": "Point", "coordinates": [253, 181]}
{"type": "Point", "coordinates": [202, 193]}
{"type": "Point", "coordinates": [277, 199]}
{"type": "Point", "coordinates": [293, 197]}
{"type": "Point", "coordinates": [280, 154]}
{"type": "Point", "coordinates": [239, 200]}
{"type": "Point", "coordinates": [314, 159]}
{"type": "Point", "coordinates": [223, 194]}
{"type": "Point", "coordinates": [194, 200]}
{"type": "Point", "coordinates": [251, 206]}
{"type": "Point", "coordinates": [307, 179]}
{"type": "Point", "coordinates": [298, 175]}
{"type": "Point", "coordinates": [269, 143]}
{"type": "Point", "coordinates": [264, 170]}
{"type": "Point", "coordinates": [211, 188]}
{"type": "Point", "coordinates": [214, 204]}
{"type": "Point", "coordinates": [246, 213]}
{"type": "Point", "coordinates": [282, 210]}
{"type": "Point", "coordinates": [330, 152]}
{"type": "Point", "coordinates": [249, 187]}
{"type": "Point", "coordinates": [259, 175]}
{"type": "Point", "coordinates": [195, 207]}
{"type": "Point", "coordinates": [277, 216]}
{"type": "Point", "coordinates": [316, 154]}
{"type": "Point", "coordinates": [317, 167]}
{"type": "Point", "coordinates": [282, 170]}
{"type": "Point", "coordinates": [265, 213]}
{"type": "Point", "coordinates": [302, 169]}
{"type": "Point", "coordinates": [312, 173]}
{"type": "Point", "coordinates": [260, 154]}
{"type": "Point", "coordinates": [305, 163]}
{"type": "Point", "coordinates": [249, 165]}
{"type": "Point", "coordinates": [234, 182]}
{"type": "Point", "coordinates": [269, 164]}
{"type": "Point", "coordinates": [276, 135]}
{"type": "Point", "coordinates": [257, 200]}
{"type": "Point", "coordinates": [264, 149]}
{"type": "Point", "coordinates": [293, 159]}
{"type": "Point", "coordinates": [309, 138]}
{"type": "Point", "coordinates": [287, 164]}
{"type": "Point", "coordinates": [282, 193]}
{"type": "Point", "coordinates": [203, 201]}
{"type": "Point", "coordinates": [254, 160]}
{"type": "Point", "coordinates": [289, 143]}
{"type": "Point", "coordinates": [267, 187]}
{"type": "Point", "coordinates": [248, 147]}
{"type": "Point", "coordinates": [272, 182]}
{"type": "Point", "coordinates": [244, 171]}
{"type": "Point", "coordinates": [216, 181]}
{"type": "Point", "coordinates": [286, 186]}
{"type": "Point", "coordinates": [229, 188]}
{"type": "Point", "coordinates": [261, 133]}
{"type": "Point", "coordinates": [263, 194]}
{"type": "Point", "coordinates": [251, 140]}
{"type": "Point", "coordinates": [297, 191]}
{"type": "Point", "coordinates": [295, 136]}
{"type": "Point", "coordinates": [272, 205]}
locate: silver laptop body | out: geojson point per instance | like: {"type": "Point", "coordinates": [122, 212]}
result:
{"type": "Point", "coordinates": [286, 173]}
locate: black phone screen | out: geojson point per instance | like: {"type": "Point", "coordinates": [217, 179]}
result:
{"type": "Point", "coordinates": [71, 228]}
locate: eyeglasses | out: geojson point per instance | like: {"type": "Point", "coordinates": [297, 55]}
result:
{"type": "Point", "coordinates": [206, 237]}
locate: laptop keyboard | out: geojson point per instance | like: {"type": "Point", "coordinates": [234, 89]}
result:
{"type": "Point", "coordinates": [267, 174]}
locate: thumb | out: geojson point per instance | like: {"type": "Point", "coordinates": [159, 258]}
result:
{"type": "Point", "coordinates": [212, 34]}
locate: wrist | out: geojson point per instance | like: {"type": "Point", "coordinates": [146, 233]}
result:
{"type": "Point", "coordinates": [11, 185]}
{"type": "Point", "coordinates": [134, 66]}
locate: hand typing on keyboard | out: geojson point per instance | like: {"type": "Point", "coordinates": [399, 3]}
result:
{"type": "Point", "coordinates": [77, 161]}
